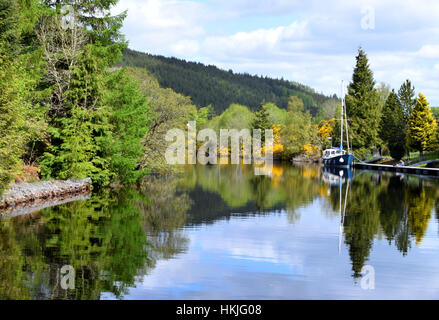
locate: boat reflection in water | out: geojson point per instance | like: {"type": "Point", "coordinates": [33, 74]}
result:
{"type": "Point", "coordinates": [335, 175]}
{"type": "Point", "coordinates": [339, 176]}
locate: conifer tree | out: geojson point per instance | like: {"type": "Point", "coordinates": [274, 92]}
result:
{"type": "Point", "coordinates": [406, 96]}
{"type": "Point", "coordinates": [392, 127]}
{"type": "Point", "coordinates": [261, 121]}
{"type": "Point", "coordinates": [422, 127]}
{"type": "Point", "coordinates": [363, 107]}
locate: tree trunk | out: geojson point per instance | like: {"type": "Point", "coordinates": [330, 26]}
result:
{"type": "Point", "coordinates": [421, 155]}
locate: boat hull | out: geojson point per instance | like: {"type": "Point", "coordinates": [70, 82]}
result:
{"type": "Point", "coordinates": [344, 161]}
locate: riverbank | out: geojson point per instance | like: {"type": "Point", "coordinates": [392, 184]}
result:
{"type": "Point", "coordinates": [38, 193]}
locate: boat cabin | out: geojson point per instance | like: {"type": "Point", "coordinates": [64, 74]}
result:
{"type": "Point", "coordinates": [333, 152]}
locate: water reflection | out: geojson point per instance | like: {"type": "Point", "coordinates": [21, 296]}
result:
{"type": "Point", "coordinates": [396, 206]}
{"type": "Point", "coordinates": [111, 241]}
{"type": "Point", "coordinates": [376, 204]}
{"type": "Point", "coordinates": [115, 240]}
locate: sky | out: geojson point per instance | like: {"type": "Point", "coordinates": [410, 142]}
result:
{"type": "Point", "coordinates": [313, 42]}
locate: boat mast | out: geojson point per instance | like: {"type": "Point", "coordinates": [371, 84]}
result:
{"type": "Point", "coordinates": [346, 120]}
{"type": "Point", "coordinates": [342, 215]}
{"type": "Point", "coordinates": [341, 124]}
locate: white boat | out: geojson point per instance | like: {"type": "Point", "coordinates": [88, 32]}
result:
{"type": "Point", "coordinates": [337, 157]}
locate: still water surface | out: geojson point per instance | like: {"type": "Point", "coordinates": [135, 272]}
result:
{"type": "Point", "coordinates": [220, 232]}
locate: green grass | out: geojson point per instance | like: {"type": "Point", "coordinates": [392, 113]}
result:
{"type": "Point", "coordinates": [428, 155]}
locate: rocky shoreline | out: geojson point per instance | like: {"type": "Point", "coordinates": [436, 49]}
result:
{"type": "Point", "coordinates": [37, 194]}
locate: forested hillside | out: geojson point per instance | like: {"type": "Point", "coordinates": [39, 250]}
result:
{"type": "Point", "coordinates": [209, 85]}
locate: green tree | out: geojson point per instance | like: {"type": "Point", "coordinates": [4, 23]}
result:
{"type": "Point", "coordinates": [363, 107]}
{"type": "Point", "coordinates": [203, 115]}
{"type": "Point", "coordinates": [392, 127]}
{"type": "Point", "coordinates": [261, 121]}
{"type": "Point", "coordinates": [74, 150]}
{"type": "Point", "coordinates": [295, 104]}
{"type": "Point", "coordinates": [276, 116]}
{"type": "Point", "coordinates": [169, 110]}
{"type": "Point", "coordinates": [406, 95]}
{"type": "Point", "coordinates": [421, 134]}
{"type": "Point", "coordinates": [298, 132]}
{"type": "Point", "coordinates": [130, 119]}
{"type": "Point", "coordinates": [97, 118]}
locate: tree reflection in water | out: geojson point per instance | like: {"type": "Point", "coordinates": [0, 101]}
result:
{"type": "Point", "coordinates": [111, 241]}
{"type": "Point", "coordinates": [397, 207]}
{"type": "Point", "coordinates": [114, 239]}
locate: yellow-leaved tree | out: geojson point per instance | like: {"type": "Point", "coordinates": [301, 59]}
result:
{"type": "Point", "coordinates": [421, 127]}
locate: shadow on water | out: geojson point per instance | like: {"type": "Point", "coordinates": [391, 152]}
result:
{"type": "Point", "coordinates": [115, 239]}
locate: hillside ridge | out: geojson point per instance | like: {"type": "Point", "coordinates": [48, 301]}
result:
{"type": "Point", "coordinates": [210, 85]}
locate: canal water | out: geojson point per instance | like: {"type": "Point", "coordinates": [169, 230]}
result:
{"type": "Point", "coordinates": [222, 232]}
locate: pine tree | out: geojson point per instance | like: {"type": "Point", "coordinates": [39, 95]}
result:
{"type": "Point", "coordinates": [422, 127]}
{"type": "Point", "coordinates": [392, 128]}
{"type": "Point", "coordinates": [406, 95]}
{"type": "Point", "coordinates": [261, 121]}
{"type": "Point", "coordinates": [363, 107]}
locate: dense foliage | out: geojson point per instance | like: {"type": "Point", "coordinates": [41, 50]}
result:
{"type": "Point", "coordinates": [71, 108]}
{"type": "Point", "coordinates": [63, 108]}
{"type": "Point", "coordinates": [169, 110]}
{"type": "Point", "coordinates": [208, 85]}
{"type": "Point", "coordinates": [10, 113]}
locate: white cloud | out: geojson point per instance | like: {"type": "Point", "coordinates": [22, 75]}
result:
{"type": "Point", "coordinates": [185, 47]}
{"type": "Point", "coordinates": [159, 25]}
{"type": "Point", "coordinates": [315, 43]}
{"type": "Point", "coordinates": [258, 42]}
{"type": "Point", "coordinates": [429, 51]}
